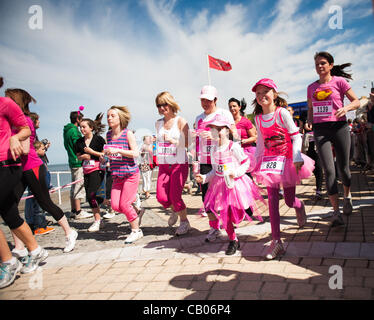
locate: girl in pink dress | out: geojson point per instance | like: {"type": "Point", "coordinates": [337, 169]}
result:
{"type": "Point", "coordinates": [279, 161]}
{"type": "Point", "coordinates": [230, 190]}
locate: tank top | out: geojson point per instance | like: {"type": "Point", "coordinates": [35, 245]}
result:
{"type": "Point", "coordinates": [121, 167]}
{"type": "Point", "coordinates": [169, 153]}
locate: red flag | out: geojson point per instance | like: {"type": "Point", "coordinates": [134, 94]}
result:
{"type": "Point", "coordinates": [219, 64]}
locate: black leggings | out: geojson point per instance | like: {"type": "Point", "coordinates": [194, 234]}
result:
{"type": "Point", "coordinates": [35, 179]}
{"type": "Point", "coordinates": [318, 172]}
{"type": "Point", "coordinates": [10, 178]}
{"type": "Point", "coordinates": [92, 183]}
{"type": "Point", "coordinates": [334, 134]}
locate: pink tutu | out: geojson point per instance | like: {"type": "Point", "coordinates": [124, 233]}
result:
{"type": "Point", "coordinates": [219, 199]}
{"type": "Point", "coordinates": [289, 178]}
{"type": "Point", "coordinates": [250, 152]}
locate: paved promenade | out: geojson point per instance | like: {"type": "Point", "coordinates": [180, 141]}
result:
{"type": "Point", "coordinates": [320, 263]}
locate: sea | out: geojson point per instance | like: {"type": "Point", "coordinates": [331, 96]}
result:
{"type": "Point", "coordinates": [64, 173]}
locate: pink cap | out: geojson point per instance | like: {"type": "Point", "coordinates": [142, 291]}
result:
{"type": "Point", "coordinates": [208, 92]}
{"type": "Point", "coordinates": [219, 121]}
{"type": "Point", "coordinates": [267, 83]}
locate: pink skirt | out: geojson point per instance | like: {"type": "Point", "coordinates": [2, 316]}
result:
{"type": "Point", "coordinates": [250, 152]}
{"type": "Point", "coordinates": [289, 178]}
{"type": "Point", "coordinates": [229, 205]}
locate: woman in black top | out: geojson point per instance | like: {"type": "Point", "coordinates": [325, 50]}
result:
{"type": "Point", "coordinates": [89, 148]}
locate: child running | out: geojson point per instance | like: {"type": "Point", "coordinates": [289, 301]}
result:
{"type": "Point", "coordinates": [122, 151]}
{"type": "Point", "coordinates": [279, 161]}
{"type": "Point", "coordinates": [230, 190]}
{"type": "Point", "coordinates": [89, 148]}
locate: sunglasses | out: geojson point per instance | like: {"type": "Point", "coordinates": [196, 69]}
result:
{"type": "Point", "coordinates": [161, 105]}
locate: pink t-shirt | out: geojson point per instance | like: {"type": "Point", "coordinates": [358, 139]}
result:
{"type": "Point", "coordinates": [242, 127]}
{"type": "Point", "coordinates": [31, 160]}
{"type": "Point", "coordinates": [11, 117]}
{"type": "Point", "coordinates": [327, 98]}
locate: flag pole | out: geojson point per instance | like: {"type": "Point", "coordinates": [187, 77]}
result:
{"type": "Point", "coordinates": [207, 60]}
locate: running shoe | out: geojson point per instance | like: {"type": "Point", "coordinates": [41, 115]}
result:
{"type": "Point", "coordinates": [8, 273]}
{"type": "Point", "coordinates": [213, 235]}
{"type": "Point", "coordinates": [95, 226]}
{"type": "Point", "coordinates": [275, 250]}
{"type": "Point", "coordinates": [32, 261]}
{"type": "Point", "coordinates": [347, 206]}
{"type": "Point", "coordinates": [233, 246]}
{"type": "Point", "coordinates": [83, 215]}
{"type": "Point", "coordinates": [134, 236]}
{"type": "Point", "coordinates": [173, 218]}
{"type": "Point", "coordinates": [70, 241]}
{"type": "Point", "coordinates": [45, 230]}
{"type": "Point", "coordinates": [183, 228]}
{"type": "Point", "coordinates": [336, 220]}
{"type": "Point", "coordinates": [19, 254]}
{"type": "Point", "coordinates": [110, 214]}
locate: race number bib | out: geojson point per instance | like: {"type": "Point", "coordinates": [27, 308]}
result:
{"type": "Point", "coordinates": [322, 108]}
{"type": "Point", "coordinates": [273, 164]}
{"type": "Point", "coordinates": [114, 156]}
{"type": "Point", "coordinates": [206, 149]}
{"type": "Point", "coordinates": [88, 164]}
{"type": "Point", "coordinates": [167, 149]}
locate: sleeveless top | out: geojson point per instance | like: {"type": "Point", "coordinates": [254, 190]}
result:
{"type": "Point", "coordinates": [169, 153]}
{"type": "Point", "coordinates": [121, 167]}
{"type": "Point", "coordinates": [277, 140]}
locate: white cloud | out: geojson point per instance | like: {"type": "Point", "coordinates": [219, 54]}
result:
{"type": "Point", "coordinates": [112, 60]}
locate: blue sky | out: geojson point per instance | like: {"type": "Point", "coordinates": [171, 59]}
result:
{"type": "Point", "coordinates": [103, 53]}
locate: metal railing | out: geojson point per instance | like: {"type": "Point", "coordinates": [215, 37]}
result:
{"type": "Point", "coordinates": [59, 183]}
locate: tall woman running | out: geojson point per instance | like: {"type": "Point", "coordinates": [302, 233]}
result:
{"type": "Point", "coordinates": [327, 113]}
{"type": "Point", "coordinates": [34, 176]}
{"type": "Point", "coordinates": [11, 116]}
{"type": "Point", "coordinates": [172, 141]}
{"type": "Point", "coordinates": [122, 151]}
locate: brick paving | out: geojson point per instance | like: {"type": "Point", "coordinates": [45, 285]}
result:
{"type": "Point", "coordinates": [162, 266]}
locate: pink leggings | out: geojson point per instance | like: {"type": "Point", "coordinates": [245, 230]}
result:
{"type": "Point", "coordinates": [273, 197]}
{"type": "Point", "coordinates": [229, 228]}
{"type": "Point", "coordinates": [124, 194]}
{"type": "Point", "coordinates": [170, 183]}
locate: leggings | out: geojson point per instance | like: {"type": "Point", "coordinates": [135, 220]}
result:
{"type": "Point", "coordinates": [108, 184]}
{"type": "Point", "coordinates": [318, 172]}
{"type": "Point", "coordinates": [170, 183]}
{"type": "Point", "coordinates": [336, 134]}
{"type": "Point", "coordinates": [92, 183]}
{"type": "Point", "coordinates": [124, 192]}
{"type": "Point", "coordinates": [35, 179]}
{"type": "Point", "coordinates": [8, 199]}
{"type": "Point", "coordinates": [273, 197]}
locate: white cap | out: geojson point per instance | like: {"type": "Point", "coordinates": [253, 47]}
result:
{"type": "Point", "coordinates": [208, 92]}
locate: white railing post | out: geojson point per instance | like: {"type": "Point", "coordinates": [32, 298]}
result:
{"type": "Point", "coordinates": [59, 190]}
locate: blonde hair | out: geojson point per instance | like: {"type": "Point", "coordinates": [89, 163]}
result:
{"type": "Point", "coordinates": [124, 115]}
{"type": "Point", "coordinates": [166, 98]}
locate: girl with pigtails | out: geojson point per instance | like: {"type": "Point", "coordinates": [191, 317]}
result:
{"type": "Point", "coordinates": [88, 149]}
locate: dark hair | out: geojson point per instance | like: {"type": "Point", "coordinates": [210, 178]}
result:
{"type": "Point", "coordinates": [96, 125]}
{"type": "Point", "coordinates": [337, 70]}
{"type": "Point", "coordinates": [75, 115]}
{"type": "Point", "coordinates": [34, 116]}
{"type": "Point", "coordinates": [242, 104]}
{"type": "Point", "coordinates": [1, 81]}
{"type": "Point", "coordinates": [21, 97]}
{"type": "Point", "coordinates": [278, 101]}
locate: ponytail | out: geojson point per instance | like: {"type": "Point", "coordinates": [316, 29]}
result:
{"type": "Point", "coordinates": [96, 125]}
{"type": "Point", "coordinates": [337, 70]}
{"type": "Point", "coordinates": [242, 104]}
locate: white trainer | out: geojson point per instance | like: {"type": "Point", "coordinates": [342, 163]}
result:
{"type": "Point", "coordinates": [134, 235]}
{"type": "Point", "coordinates": [95, 226]}
{"type": "Point", "coordinates": [213, 235]}
{"type": "Point", "coordinates": [70, 241]}
{"type": "Point", "coordinates": [183, 228]}
{"type": "Point", "coordinates": [109, 215]}
{"type": "Point", "coordinates": [83, 215]}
